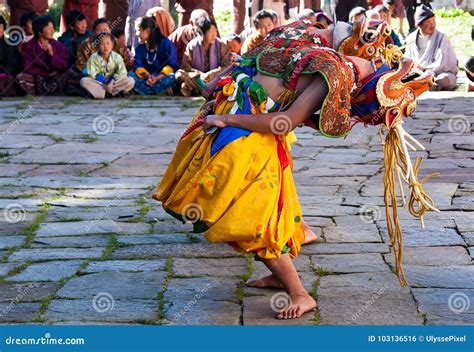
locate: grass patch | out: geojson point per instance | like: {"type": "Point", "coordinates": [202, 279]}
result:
{"type": "Point", "coordinates": [111, 246]}
{"type": "Point", "coordinates": [160, 314]}
{"type": "Point", "coordinates": [45, 302]}
{"type": "Point", "coordinates": [72, 101]}
{"type": "Point", "coordinates": [88, 138]}
{"type": "Point", "coordinates": [29, 232]}
{"type": "Point", "coordinates": [55, 138]}
{"type": "Point", "coordinates": [240, 293]}
{"type": "Point", "coordinates": [25, 103]}
{"type": "Point", "coordinates": [321, 271]}
{"type": "Point", "coordinates": [314, 293]}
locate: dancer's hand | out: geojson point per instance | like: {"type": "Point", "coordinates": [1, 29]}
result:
{"type": "Point", "coordinates": [214, 120]}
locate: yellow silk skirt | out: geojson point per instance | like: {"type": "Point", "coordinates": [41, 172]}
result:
{"type": "Point", "coordinates": [241, 195]}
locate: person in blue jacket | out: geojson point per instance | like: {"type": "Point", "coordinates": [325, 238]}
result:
{"type": "Point", "coordinates": [156, 61]}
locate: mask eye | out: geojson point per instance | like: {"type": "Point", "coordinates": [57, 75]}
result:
{"type": "Point", "coordinates": [370, 50]}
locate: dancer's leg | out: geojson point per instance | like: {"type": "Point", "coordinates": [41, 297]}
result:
{"type": "Point", "coordinates": [284, 271]}
{"type": "Point", "coordinates": [309, 235]}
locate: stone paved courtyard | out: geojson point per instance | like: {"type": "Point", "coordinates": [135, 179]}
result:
{"type": "Point", "coordinates": [81, 241]}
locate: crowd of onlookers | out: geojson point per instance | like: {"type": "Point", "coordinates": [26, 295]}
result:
{"type": "Point", "coordinates": [134, 46]}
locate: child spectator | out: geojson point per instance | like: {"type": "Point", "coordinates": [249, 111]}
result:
{"type": "Point", "coordinates": [45, 61]}
{"type": "Point", "coordinates": [384, 13]}
{"type": "Point", "coordinates": [121, 40]}
{"type": "Point", "coordinates": [26, 22]}
{"type": "Point", "coordinates": [106, 72]}
{"type": "Point", "coordinates": [155, 61]}
{"type": "Point", "coordinates": [89, 46]}
{"type": "Point", "coordinates": [235, 44]}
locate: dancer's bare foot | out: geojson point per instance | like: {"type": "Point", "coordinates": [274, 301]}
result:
{"type": "Point", "coordinates": [299, 304]}
{"type": "Point", "coordinates": [309, 235]}
{"type": "Point", "coordinates": [269, 281]}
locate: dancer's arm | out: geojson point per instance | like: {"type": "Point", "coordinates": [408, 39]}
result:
{"type": "Point", "coordinates": [308, 102]}
{"type": "Point", "coordinates": [211, 85]}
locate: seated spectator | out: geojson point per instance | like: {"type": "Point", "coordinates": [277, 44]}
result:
{"type": "Point", "coordinates": [8, 63]}
{"type": "Point", "coordinates": [121, 39]}
{"type": "Point", "coordinates": [356, 14]}
{"type": "Point", "coordinates": [90, 9]}
{"type": "Point", "coordinates": [372, 15]}
{"type": "Point", "coordinates": [205, 57]}
{"type": "Point", "coordinates": [183, 35]}
{"type": "Point", "coordinates": [76, 32]}
{"type": "Point", "coordinates": [235, 44]}
{"type": "Point", "coordinates": [263, 23]}
{"type": "Point", "coordinates": [45, 60]}
{"type": "Point", "coordinates": [470, 73]}
{"type": "Point", "coordinates": [106, 72]}
{"type": "Point", "coordinates": [318, 19]}
{"type": "Point", "coordinates": [344, 7]}
{"type": "Point", "coordinates": [322, 20]}
{"type": "Point", "coordinates": [307, 14]}
{"type": "Point", "coordinates": [26, 22]}
{"type": "Point", "coordinates": [89, 46]}
{"type": "Point", "coordinates": [164, 21]}
{"type": "Point", "coordinates": [156, 61]}
{"type": "Point", "coordinates": [384, 13]}
{"type": "Point", "coordinates": [432, 50]}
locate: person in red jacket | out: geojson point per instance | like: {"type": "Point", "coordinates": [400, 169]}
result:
{"type": "Point", "coordinates": [45, 61]}
{"type": "Point", "coordinates": [19, 7]}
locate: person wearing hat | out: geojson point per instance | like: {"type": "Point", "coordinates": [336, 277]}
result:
{"type": "Point", "coordinates": [432, 50]}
